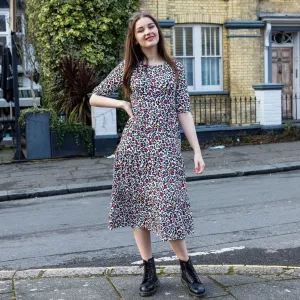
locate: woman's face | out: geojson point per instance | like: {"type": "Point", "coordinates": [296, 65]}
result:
{"type": "Point", "coordinates": [146, 33]}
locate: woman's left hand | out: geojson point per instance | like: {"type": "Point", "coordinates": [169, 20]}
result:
{"type": "Point", "coordinates": [199, 163]}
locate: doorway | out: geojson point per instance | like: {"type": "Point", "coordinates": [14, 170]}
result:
{"type": "Point", "coordinates": [282, 72]}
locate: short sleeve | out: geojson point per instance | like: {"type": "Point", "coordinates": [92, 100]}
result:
{"type": "Point", "coordinates": [112, 82]}
{"type": "Point", "coordinates": [183, 103]}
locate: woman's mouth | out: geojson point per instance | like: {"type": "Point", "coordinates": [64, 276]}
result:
{"type": "Point", "coordinates": [150, 38]}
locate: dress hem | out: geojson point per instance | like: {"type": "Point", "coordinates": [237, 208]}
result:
{"type": "Point", "coordinates": [166, 239]}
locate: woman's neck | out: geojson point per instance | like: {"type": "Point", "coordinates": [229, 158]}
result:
{"type": "Point", "coordinates": [151, 57]}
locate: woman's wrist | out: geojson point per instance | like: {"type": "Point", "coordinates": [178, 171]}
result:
{"type": "Point", "coordinates": [197, 151]}
{"type": "Point", "coordinates": [121, 103]}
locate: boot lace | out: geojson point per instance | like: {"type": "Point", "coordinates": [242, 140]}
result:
{"type": "Point", "coordinates": [147, 270]}
{"type": "Point", "coordinates": [192, 274]}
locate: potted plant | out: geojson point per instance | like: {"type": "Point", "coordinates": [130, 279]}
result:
{"type": "Point", "coordinates": [48, 136]}
{"type": "Point", "coordinates": [71, 139]}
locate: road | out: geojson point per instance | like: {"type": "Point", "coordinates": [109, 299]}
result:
{"type": "Point", "coordinates": [246, 220]}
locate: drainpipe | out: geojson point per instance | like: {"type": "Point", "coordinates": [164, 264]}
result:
{"type": "Point", "coordinates": [268, 54]}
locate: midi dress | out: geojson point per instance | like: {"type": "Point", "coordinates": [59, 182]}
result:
{"type": "Point", "coordinates": [149, 187]}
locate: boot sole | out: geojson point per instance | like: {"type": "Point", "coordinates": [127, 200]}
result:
{"type": "Point", "coordinates": [148, 294]}
{"type": "Point", "coordinates": [191, 293]}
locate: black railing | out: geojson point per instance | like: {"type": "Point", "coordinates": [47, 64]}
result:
{"type": "Point", "coordinates": [290, 107]}
{"type": "Point", "coordinates": [224, 110]}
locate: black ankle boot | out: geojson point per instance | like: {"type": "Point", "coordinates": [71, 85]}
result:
{"type": "Point", "coordinates": [150, 280]}
{"type": "Point", "coordinates": [190, 279]}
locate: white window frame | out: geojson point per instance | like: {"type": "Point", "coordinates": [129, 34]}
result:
{"type": "Point", "coordinates": [197, 56]}
{"type": "Point", "coordinates": [7, 32]}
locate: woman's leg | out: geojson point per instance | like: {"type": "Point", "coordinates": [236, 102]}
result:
{"type": "Point", "coordinates": [150, 280]}
{"type": "Point", "coordinates": [179, 247]}
{"type": "Point", "coordinates": [143, 241]}
{"type": "Point", "coordinates": [189, 276]}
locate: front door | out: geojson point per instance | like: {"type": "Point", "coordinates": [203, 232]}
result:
{"type": "Point", "coordinates": [282, 72]}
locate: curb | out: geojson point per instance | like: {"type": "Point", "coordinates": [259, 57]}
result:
{"type": "Point", "coordinates": [288, 271]}
{"type": "Point", "coordinates": [106, 185]}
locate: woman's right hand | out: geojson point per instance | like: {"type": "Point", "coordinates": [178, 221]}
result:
{"type": "Point", "coordinates": [127, 107]}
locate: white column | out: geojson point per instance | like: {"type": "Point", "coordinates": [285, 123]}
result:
{"type": "Point", "coordinates": [266, 51]}
{"type": "Point", "coordinates": [268, 103]}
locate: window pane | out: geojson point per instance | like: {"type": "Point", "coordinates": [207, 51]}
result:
{"type": "Point", "coordinates": [206, 41]}
{"type": "Point", "coordinates": [2, 23]}
{"type": "Point", "coordinates": [215, 76]}
{"type": "Point", "coordinates": [210, 71]}
{"type": "Point", "coordinates": [205, 71]}
{"type": "Point", "coordinates": [19, 24]}
{"type": "Point", "coordinates": [213, 40]}
{"type": "Point", "coordinates": [179, 41]}
{"type": "Point", "coordinates": [3, 41]}
{"type": "Point", "coordinates": [189, 69]}
{"type": "Point", "coordinates": [189, 41]}
{"type": "Point", "coordinates": [2, 46]}
{"type": "Point", "coordinates": [180, 60]}
{"type": "Point", "coordinates": [203, 41]}
{"type": "Point", "coordinates": [218, 41]}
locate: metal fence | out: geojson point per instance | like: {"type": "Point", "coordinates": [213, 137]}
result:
{"type": "Point", "coordinates": [224, 110]}
{"type": "Point", "coordinates": [290, 107]}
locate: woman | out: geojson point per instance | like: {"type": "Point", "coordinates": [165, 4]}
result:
{"type": "Point", "coordinates": [149, 189]}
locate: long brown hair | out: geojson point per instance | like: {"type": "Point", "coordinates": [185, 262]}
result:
{"type": "Point", "coordinates": [134, 53]}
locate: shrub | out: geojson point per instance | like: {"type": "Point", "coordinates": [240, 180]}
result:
{"type": "Point", "coordinates": [75, 80]}
{"type": "Point", "coordinates": [91, 30]}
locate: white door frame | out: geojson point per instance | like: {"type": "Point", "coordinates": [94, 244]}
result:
{"type": "Point", "coordinates": [296, 76]}
{"type": "Point", "coordinates": [296, 71]}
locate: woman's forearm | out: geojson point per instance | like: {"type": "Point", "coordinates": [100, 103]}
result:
{"type": "Point", "coordinates": [187, 123]}
{"type": "Point", "coordinates": [101, 101]}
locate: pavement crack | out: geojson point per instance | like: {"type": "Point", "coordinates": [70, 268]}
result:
{"type": "Point", "coordinates": [114, 287]}
{"type": "Point", "coordinates": [14, 296]}
{"type": "Point", "coordinates": [226, 289]}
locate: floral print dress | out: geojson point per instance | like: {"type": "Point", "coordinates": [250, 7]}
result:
{"type": "Point", "coordinates": [149, 188]}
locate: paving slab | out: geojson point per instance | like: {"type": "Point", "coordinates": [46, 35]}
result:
{"type": "Point", "coordinates": [6, 274]}
{"type": "Point", "coordinates": [274, 290]}
{"type": "Point", "coordinates": [65, 289]}
{"type": "Point", "coordinates": [5, 286]}
{"type": "Point", "coordinates": [74, 272]}
{"type": "Point", "coordinates": [8, 296]}
{"type": "Point", "coordinates": [170, 288]}
{"type": "Point", "coordinates": [230, 280]}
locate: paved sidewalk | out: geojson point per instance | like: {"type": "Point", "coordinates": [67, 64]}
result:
{"type": "Point", "coordinates": [221, 282]}
{"type": "Point", "coordinates": [55, 177]}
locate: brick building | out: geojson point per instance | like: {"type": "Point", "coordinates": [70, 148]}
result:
{"type": "Point", "coordinates": [227, 46]}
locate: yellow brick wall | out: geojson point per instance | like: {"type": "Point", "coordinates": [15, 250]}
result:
{"type": "Point", "coordinates": [242, 9]}
{"type": "Point", "coordinates": [243, 57]}
{"type": "Point", "coordinates": [246, 61]}
{"type": "Point", "coordinates": [279, 6]}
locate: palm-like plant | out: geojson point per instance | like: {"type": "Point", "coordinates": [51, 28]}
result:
{"type": "Point", "coordinates": [75, 81]}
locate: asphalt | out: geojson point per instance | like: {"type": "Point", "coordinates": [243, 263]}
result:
{"type": "Point", "coordinates": [46, 178]}
{"type": "Point", "coordinates": [75, 175]}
